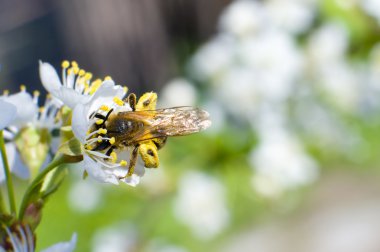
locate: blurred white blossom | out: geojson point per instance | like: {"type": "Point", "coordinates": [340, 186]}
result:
{"type": "Point", "coordinates": [85, 196]}
{"type": "Point", "coordinates": [201, 205]}
{"type": "Point", "coordinates": [121, 237]}
{"type": "Point", "coordinates": [178, 92]}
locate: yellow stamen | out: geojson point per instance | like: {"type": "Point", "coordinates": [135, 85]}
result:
{"type": "Point", "coordinates": [70, 71]}
{"type": "Point", "coordinates": [100, 139]}
{"type": "Point", "coordinates": [113, 156]}
{"type": "Point", "coordinates": [104, 108]}
{"type": "Point", "coordinates": [65, 64]}
{"type": "Point", "coordinates": [6, 92]}
{"type": "Point", "coordinates": [88, 76]}
{"type": "Point", "coordinates": [48, 96]}
{"type": "Point", "coordinates": [95, 85]}
{"type": "Point", "coordinates": [76, 70]}
{"type": "Point", "coordinates": [118, 101]}
{"type": "Point", "coordinates": [36, 93]}
{"type": "Point", "coordinates": [99, 121]}
{"type": "Point", "coordinates": [81, 72]}
{"type": "Point", "coordinates": [102, 131]}
{"type": "Point", "coordinates": [123, 163]}
{"type": "Point", "coordinates": [112, 140]}
{"type": "Point", "coordinates": [41, 109]}
{"type": "Point", "coordinates": [74, 63]}
{"type": "Point", "coordinates": [22, 87]}
{"type": "Point", "coordinates": [107, 78]}
{"type": "Point", "coordinates": [125, 89]}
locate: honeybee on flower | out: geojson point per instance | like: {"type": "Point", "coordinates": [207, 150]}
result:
{"type": "Point", "coordinates": [116, 132]}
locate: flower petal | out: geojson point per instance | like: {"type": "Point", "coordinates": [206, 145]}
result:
{"type": "Point", "coordinates": [105, 94]}
{"type": "Point", "coordinates": [79, 122]}
{"type": "Point", "coordinates": [49, 77]}
{"type": "Point", "coordinates": [63, 246]}
{"type": "Point", "coordinates": [95, 170]}
{"type": "Point", "coordinates": [70, 97]}
{"type": "Point", "coordinates": [8, 113]}
{"type": "Point", "coordinates": [26, 108]}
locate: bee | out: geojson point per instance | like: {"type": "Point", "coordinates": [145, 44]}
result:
{"type": "Point", "coordinates": [145, 129]}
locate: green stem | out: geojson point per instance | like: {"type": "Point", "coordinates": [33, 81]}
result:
{"type": "Point", "coordinates": [7, 172]}
{"type": "Point", "coordinates": [58, 160]}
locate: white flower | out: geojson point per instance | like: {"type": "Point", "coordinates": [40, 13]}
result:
{"type": "Point", "coordinates": [178, 92]}
{"type": "Point", "coordinates": [7, 115]}
{"type": "Point", "coordinates": [21, 239]}
{"type": "Point", "coordinates": [201, 205]}
{"type": "Point", "coordinates": [75, 87]}
{"type": "Point", "coordinates": [372, 7]}
{"type": "Point", "coordinates": [85, 204]}
{"type": "Point", "coordinates": [122, 237]}
{"type": "Point", "coordinates": [103, 167]}
{"type": "Point", "coordinates": [63, 246]}
{"type": "Point", "coordinates": [244, 17]}
{"type": "Point", "coordinates": [280, 162]}
{"type": "Point", "coordinates": [27, 116]}
{"type": "Point", "coordinates": [294, 16]}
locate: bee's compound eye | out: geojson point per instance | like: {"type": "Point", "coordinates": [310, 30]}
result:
{"type": "Point", "coordinates": [149, 155]}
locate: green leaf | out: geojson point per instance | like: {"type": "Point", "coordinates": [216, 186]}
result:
{"type": "Point", "coordinates": [72, 148]}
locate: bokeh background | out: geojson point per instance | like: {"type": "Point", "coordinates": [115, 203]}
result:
{"type": "Point", "coordinates": [291, 162]}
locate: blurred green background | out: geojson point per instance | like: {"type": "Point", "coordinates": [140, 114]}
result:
{"type": "Point", "coordinates": [291, 162]}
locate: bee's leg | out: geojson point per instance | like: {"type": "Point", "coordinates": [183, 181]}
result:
{"type": "Point", "coordinates": [102, 146]}
{"type": "Point", "coordinates": [110, 150]}
{"type": "Point", "coordinates": [131, 99]}
{"type": "Point", "coordinates": [133, 161]}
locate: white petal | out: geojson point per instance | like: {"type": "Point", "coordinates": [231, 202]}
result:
{"type": "Point", "coordinates": [70, 97]}
{"type": "Point", "coordinates": [49, 77]}
{"type": "Point", "coordinates": [8, 113]}
{"type": "Point", "coordinates": [63, 246]}
{"type": "Point", "coordinates": [79, 122]}
{"type": "Point", "coordinates": [95, 170]}
{"type": "Point", "coordinates": [105, 94]}
{"type": "Point", "coordinates": [26, 108]}
{"type": "Point", "coordinates": [133, 180]}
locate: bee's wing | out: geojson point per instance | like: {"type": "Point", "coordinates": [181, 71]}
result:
{"type": "Point", "coordinates": [177, 121]}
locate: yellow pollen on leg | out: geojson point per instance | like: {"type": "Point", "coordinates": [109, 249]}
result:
{"type": "Point", "coordinates": [99, 121]}
{"type": "Point", "coordinates": [112, 140]}
{"type": "Point", "coordinates": [123, 163]}
{"type": "Point", "coordinates": [118, 101]}
{"type": "Point", "coordinates": [65, 64]}
{"type": "Point", "coordinates": [22, 87]}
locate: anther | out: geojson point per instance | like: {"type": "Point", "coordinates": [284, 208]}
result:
{"type": "Point", "coordinates": [88, 76]}
{"type": "Point", "coordinates": [112, 140]}
{"type": "Point", "coordinates": [102, 131]}
{"type": "Point", "coordinates": [125, 89]}
{"type": "Point", "coordinates": [65, 64]}
{"type": "Point", "coordinates": [100, 139]}
{"type": "Point", "coordinates": [107, 78]}
{"type": "Point", "coordinates": [104, 108]}
{"type": "Point", "coordinates": [6, 92]}
{"type": "Point", "coordinates": [81, 72]}
{"type": "Point", "coordinates": [99, 121]}
{"type": "Point", "coordinates": [22, 87]}
{"type": "Point", "coordinates": [113, 156]}
{"type": "Point", "coordinates": [118, 101]}
{"type": "Point", "coordinates": [123, 163]}
{"type": "Point", "coordinates": [36, 93]}
{"type": "Point", "coordinates": [41, 109]}
{"type": "Point", "coordinates": [74, 63]}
